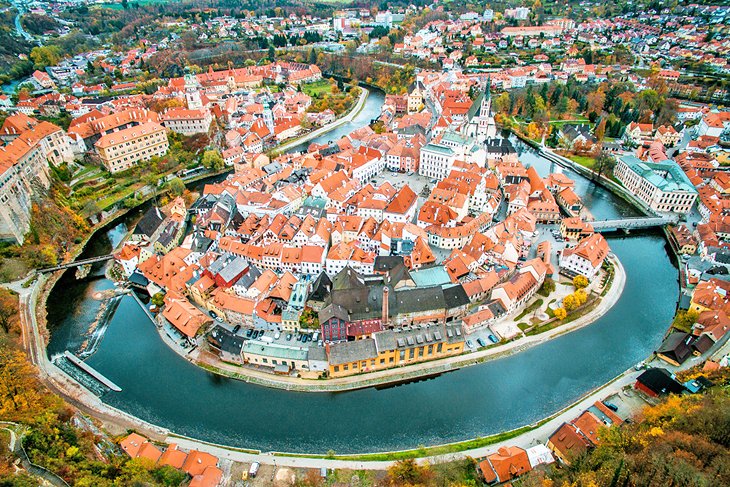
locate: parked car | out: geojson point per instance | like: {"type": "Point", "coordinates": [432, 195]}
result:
{"type": "Point", "coordinates": [470, 344]}
{"type": "Point", "coordinates": [610, 406]}
{"type": "Point", "coordinates": [236, 328]}
{"type": "Point", "coordinates": [481, 342]}
{"type": "Point", "coordinates": [493, 339]}
{"type": "Point", "coordinates": [277, 335]}
{"type": "Point", "coordinates": [288, 336]}
{"type": "Point", "coordinates": [249, 332]}
{"type": "Point", "coordinates": [254, 469]}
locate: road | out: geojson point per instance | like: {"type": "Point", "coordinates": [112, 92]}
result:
{"type": "Point", "coordinates": [329, 127]}
{"type": "Point", "coordinates": [20, 7]}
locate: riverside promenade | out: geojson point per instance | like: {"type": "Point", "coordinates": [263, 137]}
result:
{"type": "Point", "coordinates": [408, 372]}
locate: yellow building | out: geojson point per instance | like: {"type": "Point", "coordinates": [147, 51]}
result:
{"type": "Point", "coordinates": [122, 149]}
{"type": "Point", "coordinates": [393, 348]}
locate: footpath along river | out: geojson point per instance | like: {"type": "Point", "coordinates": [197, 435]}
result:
{"type": "Point", "coordinates": [162, 388]}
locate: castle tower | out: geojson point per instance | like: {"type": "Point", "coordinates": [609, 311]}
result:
{"type": "Point", "coordinates": [268, 116]}
{"type": "Point", "coordinates": [192, 94]}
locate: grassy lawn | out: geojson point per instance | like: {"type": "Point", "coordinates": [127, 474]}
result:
{"type": "Point", "coordinates": [429, 451]}
{"type": "Point", "coordinates": [12, 268]}
{"type": "Point", "coordinates": [529, 309]}
{"type": "Point", "coordinates": [115, 197]}
{"type": "Point", "coordinates": [318, 88]}
{"type": "Point", "coordinates": [585, 161]}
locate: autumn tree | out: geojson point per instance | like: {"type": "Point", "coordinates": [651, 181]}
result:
{"type": "Point", "coordinates": [158, 299]}
{"type": "Point", "coordinates": [570, 302]}
{"type": "Point", "coordinates": [548, 286]}
{"type": "Point", "coordinates": [604, 164]}
{"type": "Point", "coordinates": [685, 319]}
{"type": "Point", "coordinates": [44, 56]}
{"type": "Point", "coordinates": [600, 132]}
{"type": "Point", "coordinates": [21, 396]}
{"type": "Point", "coordinates": [8, 309]}
{"type": "Point", "coordinates": [177, 186]}
{"type": "Point", "coordinates": [561, 313]}
{"type": "Point", "coordinates": [212, 159]}
{"type": "Point", "coordinates": [579, 282]}
{"type": "Point", "coordinates": [409, 473]}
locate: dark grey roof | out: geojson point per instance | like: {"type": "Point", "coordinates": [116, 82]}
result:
{"type": "Point", "coordinates": [362, 297]}
{"type": "Point", "coordinates": [237, 219]}
{"type": "Point", "coordinates": [497, 308]}
{"type": "Point", "coordinates": [272, 168]}
{"type": "Point", "coordinates": [138, 279]}
{"type": "Point", "coordinates": [204, 203]}
{"type": "Point", "coordinates": [702, 344]}
{"type": "Point", "coordinates": [321, 287]}
{"type": "Point", "coordinates": [385, 263]}
{"type": "Point", "coordinates": [397, 274]}
{"type": "Point", "coordinates": [331, 149]}
{"type": "Point", "coordinates": [150, 222]}
{"type": "Point", "coordinates": [347, 278]}
{"type": "Point", "coordinates": [571, 132]}
{"type": "Point", "coordinates": [677, 346]}
{"type": "Point", "coordinates": [455, 297]}
{"type": "Point", "coordinates": [413, 129]}
{"type": "Point", "coordinates": [660, 381]}
{"type": "Point", "coordinates": [346, 352]}
{"type": "Point", "coordinates": [317, 353]}
{"type": "Point", "coordinates": [169, 231]}
{"type": "Point", "coordinates": [314, 211]}
{"type": "Point", "coordinates": [225, 340]}
{"type": "Point", "coordinates": [417, 336]}
{"type": "Point", "coordinates": [333, 310]}
{"type": "Point", "coordinates": [499, 146]}
{"type": "Point", "coordinates": [200, 243]}
{"type": "Point", "coordinates": [249, 277]}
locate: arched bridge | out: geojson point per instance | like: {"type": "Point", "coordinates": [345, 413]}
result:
{"type": "Point", "coordinates": [77, 263]}
{"type": "Point", "coordinates": [634, 223]}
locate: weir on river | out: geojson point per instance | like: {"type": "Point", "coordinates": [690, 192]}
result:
{"type": "Point", "coordinates": [163, 388]}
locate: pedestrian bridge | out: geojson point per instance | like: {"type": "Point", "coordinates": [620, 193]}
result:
{"type": "Point", "coordinates": [77, 263]}
{"type": "Point", "coordinates": [634, 223]}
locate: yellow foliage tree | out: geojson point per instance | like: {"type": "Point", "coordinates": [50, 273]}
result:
{"type": "Point", "coordinates": [21, 397]}
{"type": "Point", "coordinates": [579, 282]}
{"type": "Point", "coordinates": [560, 313]}
{"type": "Point", "coordinates": [570, 302]}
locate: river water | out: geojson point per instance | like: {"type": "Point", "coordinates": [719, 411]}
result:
{"type": "Point", "coordinates": [160, 387]}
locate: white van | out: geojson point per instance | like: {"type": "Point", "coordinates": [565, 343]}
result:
{"type": "Point", "coordinates": [254, 469]}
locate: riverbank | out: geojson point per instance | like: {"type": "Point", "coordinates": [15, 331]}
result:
{"type": "Point", "coordinates": [407, 373]}
{"type": "Point", "coordinates": [601, 179]}
{"type": "Point", "coordinates": [354, 112]}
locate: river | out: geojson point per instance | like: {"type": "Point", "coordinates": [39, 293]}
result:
{"type": "Point", "coordinates": [162, 388]}
{"type": "Point", "coordinates": [370, 111]}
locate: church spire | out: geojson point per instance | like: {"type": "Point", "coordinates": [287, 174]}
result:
{"type": "Point", "coordinates": [488, 91]}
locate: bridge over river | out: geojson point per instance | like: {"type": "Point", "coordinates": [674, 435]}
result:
{"type": "Point", "coordinates": [633, 223]}
{"type": "Point", "coordinates": [77, 263]}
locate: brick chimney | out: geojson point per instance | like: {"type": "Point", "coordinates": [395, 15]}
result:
{"type": "Point", "coordinates": [384, 317]}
